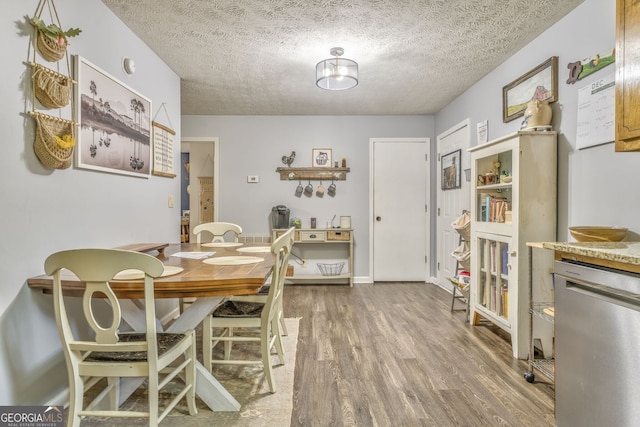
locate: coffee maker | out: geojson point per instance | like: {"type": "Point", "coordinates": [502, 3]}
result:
{"type": "Point", "coordinates": [280, 217]}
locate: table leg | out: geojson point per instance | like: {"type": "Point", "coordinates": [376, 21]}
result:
{"type": "Point", "coordinates": [208, 388]}
{"type": "Point", "coordinates": [133, 314]}
{"type": "Point", "coordinates": [194, 314]}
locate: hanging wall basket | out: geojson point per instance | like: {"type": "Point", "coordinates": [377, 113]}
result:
{"type": "Point", "coordinates": [50, 39]}
{"type": "Point", "coordinates": [51, 88]}
{"type": "Point", "coordinates": [49, 48]}
{"type": "Point", "coordinates": [47, 147]}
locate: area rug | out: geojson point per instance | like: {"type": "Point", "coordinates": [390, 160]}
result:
{"type": "Point", "coordinates": [246, 383]}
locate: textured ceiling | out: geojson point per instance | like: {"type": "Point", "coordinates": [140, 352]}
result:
{"type": "Point", "coordinates": [258, 56]}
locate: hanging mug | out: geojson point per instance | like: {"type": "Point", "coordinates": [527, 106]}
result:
{"type": "Point", "coordinates": [320, 190]}
{"type": "Point", "coordinates": [299, 190]}
{"type": "Point", "coordinates": [308, 190]}
{"type": "Point", "coordinates": [331, 190]}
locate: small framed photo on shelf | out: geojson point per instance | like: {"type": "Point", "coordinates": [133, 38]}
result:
{"type": "Point", "coordinates": [450, 175]}
{"type": "Point", "coordinates": [321, 158]}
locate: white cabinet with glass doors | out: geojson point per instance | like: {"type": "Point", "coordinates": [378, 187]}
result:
{"type": "Point", "coordinates": [513, 202]}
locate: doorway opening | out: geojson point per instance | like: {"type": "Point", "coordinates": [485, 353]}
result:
{"type": "Point", "coordinates": [199, 198]}
{"type": "Point", "coordinates": [185, 166]}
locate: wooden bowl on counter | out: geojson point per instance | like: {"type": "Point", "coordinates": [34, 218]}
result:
{"type": "Point", "coordinates": [588, 233]}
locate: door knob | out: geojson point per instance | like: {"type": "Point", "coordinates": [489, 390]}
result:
{"type": "Point", "coordinates": [378, 218]}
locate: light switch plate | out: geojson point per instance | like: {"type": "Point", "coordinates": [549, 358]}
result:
{"type": "Point", "coordinates": [252, 179]}
{"type": "Point", "coordinates": [170, 201]}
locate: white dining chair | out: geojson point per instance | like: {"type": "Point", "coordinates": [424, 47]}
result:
{"type": "Point", "coordinates": [217, 230]}
{"type": "Point", "coordinates": [109, 353]}
{"type": "Point", "coordinates": [243, 321]}
{"type": "Point", "coordinates": [261, 297]}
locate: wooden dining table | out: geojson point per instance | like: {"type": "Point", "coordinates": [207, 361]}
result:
{"type": "Point", "coordinates": [195, 278]}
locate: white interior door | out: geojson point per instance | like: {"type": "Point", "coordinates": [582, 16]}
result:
{"type": "Point", "coordinates": [399, 223]}
{"type": "Point", "coordinates": [451, 202]}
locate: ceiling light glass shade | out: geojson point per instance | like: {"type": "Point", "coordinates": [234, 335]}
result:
{"type": "Point", "coordinates": [337, 73]}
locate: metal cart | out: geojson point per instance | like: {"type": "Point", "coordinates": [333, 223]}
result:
{"type": "Point", "coordinates": [543, 310]}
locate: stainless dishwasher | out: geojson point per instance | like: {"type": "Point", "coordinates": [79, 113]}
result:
{"type": "Point", "coordinates": [597, 333]}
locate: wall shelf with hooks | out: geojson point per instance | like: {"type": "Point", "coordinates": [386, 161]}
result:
{"type": "Point", "coordinates": [327, 174]}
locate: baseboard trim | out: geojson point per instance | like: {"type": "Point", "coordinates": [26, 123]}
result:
{"type": "Point", "coordinates": [62, 396]}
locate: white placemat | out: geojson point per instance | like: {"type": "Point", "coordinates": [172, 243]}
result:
{"type": "Point", "coordinates": [221, 244]}
{"type": "Point", "coordinates": [233, 260]}
{"type": "Point", "coordinates": [134, 274]}
{"type": "Point", "coordinates": [193, 255]}
{"type": "Point", "coordinates": [255, 249]}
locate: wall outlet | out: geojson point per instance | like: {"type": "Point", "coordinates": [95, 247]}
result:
{"type": "Point", "coordinates": [170, 201]}
{"type": "Point", "coordinates": [252, 179]}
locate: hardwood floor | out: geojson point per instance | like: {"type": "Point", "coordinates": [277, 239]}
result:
{"type": "Point", "coordinates": [392, 354]}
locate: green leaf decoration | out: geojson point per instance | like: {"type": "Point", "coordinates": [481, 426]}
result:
{"type": "Point", "coordinates": [53, 31]}
{"type": "Point", "coordinates": [72, 32]}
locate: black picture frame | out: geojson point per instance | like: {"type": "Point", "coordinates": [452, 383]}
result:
{"type": "Point", "coordinates": [450, 172]}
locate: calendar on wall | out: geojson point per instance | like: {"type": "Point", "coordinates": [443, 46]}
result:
{"type": "Point", "coordinates": [596, 112]}
{"type": "Point", "coordinates": [163, 150]}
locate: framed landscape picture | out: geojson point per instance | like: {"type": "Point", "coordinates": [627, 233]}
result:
{"type": "Point", "coordinates": [541, 84]}
{"type": "Point", "coordinates": [115, 123]}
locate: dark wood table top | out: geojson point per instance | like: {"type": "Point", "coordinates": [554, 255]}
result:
{"type": "Point", "coordinates": [196, 280]}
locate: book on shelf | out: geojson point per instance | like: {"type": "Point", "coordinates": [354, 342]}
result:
{"type": "Point", "coordinates": [493, 208]}
{"type": "Point", "coordinates": [485, 200]}
{"type": "Point", "coordinates": [497, 209]}
{"type": "Point", "coordinates": [505, 259]}
{"type": "Point", "coordinates": [498, 257]}
{"type": "Point", "coordinates": [505, 302]}
{"type": "Point", "coordinates": [493, 256]}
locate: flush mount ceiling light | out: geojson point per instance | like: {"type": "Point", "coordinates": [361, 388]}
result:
{"type": "Point", "coordinates": [337, 73]}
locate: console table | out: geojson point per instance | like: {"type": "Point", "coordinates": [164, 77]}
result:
{"type": "Point", "coordinates": [325, 246]}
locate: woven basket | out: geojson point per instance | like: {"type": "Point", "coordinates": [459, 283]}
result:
{"type": "Point", "coordinates": [52, 89]}
{"type": "Point", "coordinates": [46, 148]}
{"type": "Point", "coordinates": [463, 225]}
{"type": "Point", "coordinates": [49, 49]}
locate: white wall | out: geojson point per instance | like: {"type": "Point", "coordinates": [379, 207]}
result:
{"type": "Point", "coordinates": [43, 211]}
{"type": "Point", "coordinates": [595, 185]}
{"type": "Point", "coordinates": [254, 145]}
